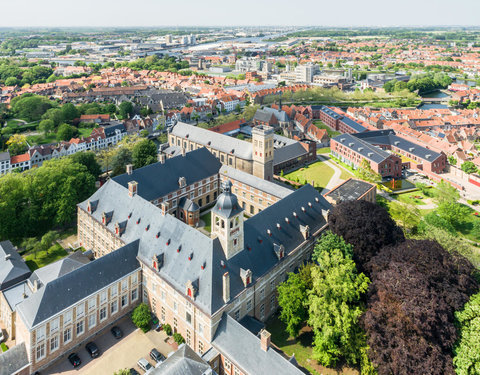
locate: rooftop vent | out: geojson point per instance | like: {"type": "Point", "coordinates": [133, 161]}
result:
{"type": "Point", "coordinates": [269, 232]}
{"type": "Point", "coordinates": [411, 149]}
{"type": "Point", "coordinates": [309, 204]}
{"type": "Point", "coordinates": [278, 226]}
{"type": "Point", "coordinates": [428, 156]}
{"type": "Point", "coordinates": [396, 143]}
{"type": "Point", "coordinates": [303, 209]}
{"type": "Point", "coordinates": [190, 257]}
{"type": "Point", "coordinates": [179, 248]}
{"type": "Point", "coordinates": [287, 220]}
{"type": "Point", "coordinates": [157, 235]}
{"type": "Point", "coordinates": [222, 264]}
{"type": "Point", "coordinates": [294, 214]}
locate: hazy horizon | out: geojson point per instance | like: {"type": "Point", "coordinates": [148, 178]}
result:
{"type": "Point", "coordinates": [215, 13]}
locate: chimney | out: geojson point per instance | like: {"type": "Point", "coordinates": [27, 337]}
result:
{"type": "Point", "coordinates": [129, 169]}
{"type": "Point", "coordinates": [8, 256]}
{"type": "Point", "coordinates": [226, 287]}
{"type": "Point", "coordinates": [264, 340]}
{"type": "Point", "coordinates": [35, 285]}
{"type": "Point", "coordinates": [161, 158]}
{"type": "Point", "coordinates": [132, 188]}
{"type": "Point", "coordinates": [164, 207]}
{"type": "Point", "coordinates": [184, 152]}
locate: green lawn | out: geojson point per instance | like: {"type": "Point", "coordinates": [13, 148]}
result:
{"type": "Point", "coordinates": [207, 219]}
{"type": "Point", "coordinates": [323, 150]}
{"type": "Point", "coordinates": [42, 258]}
{"type": "Point", "coordinates": [318, 172]}
{"type": "Point", "coordinates": [42, 139]}
{"type": "Point", "coordinates": [301, 347]}
{"type": "Point", "coordinates": [331, 133]}
{"type": "Point", "coordinates": [411, 198]}
{"type": "Point", "coordinates": [84, 132]}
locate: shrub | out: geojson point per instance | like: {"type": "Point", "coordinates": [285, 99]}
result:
{"type": "Point", "coordinates": [168, 329]}
{"type": "Point", "coordinates": [178, 338]}
{"type": "Point", "coordinates": [141, 317]}
{"type": "Point", "coordinates": [4, 347]}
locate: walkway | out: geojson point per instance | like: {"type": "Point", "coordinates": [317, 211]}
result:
{"type": "Point", "coordinates": [335, 180]}
{"type": "Point", "coordinates": [427, 206]}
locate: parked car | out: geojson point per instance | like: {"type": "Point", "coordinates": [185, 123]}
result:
{"type": "Point", "coordinates": [144, 364]}
{"type": "Point", "coordinates": [74, 359]}
{"type": "Point", "coordinates": [92, 349]}
{"type": "Point", "coordinates": [2, 336]}
{"type": "Point", "coordinates": [116, 332]}
{"type": "Point", "coordinates": [134, 372]}
{"type": "Point", "coordinates": [157, 356]}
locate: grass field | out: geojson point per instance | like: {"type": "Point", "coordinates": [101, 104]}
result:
{"type": "Point", "coordinates": [411, 198]}
{"type": "Point", "coordinates": [41, 139]}
{"type": "Point", "coordinates": [42, 258]}
{"type": "Point", "coordinates": [301, 347]}
{"type": "Point", "coordinates": [323, 150]}
{"type": "Point", "coordinates": [319, 172]}
{"type": "Point", "coordinates": [331, 133]}
{"type": "Point", "coordinates": [207, 219]}
{"type": "Point", "coordinates": [84, 132]}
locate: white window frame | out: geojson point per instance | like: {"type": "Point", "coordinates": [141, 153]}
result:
{"type": "Point", "coordinates": [69, 330]}
{"type": "Point", "coordinates": [80, 323]}
{"type": "Point", "coordinates": [103, 311]}
{"type": "Point", "coordinates": [54, 340]}
{"type": "Point", "coordinates": [40, 351]}
{"type": "Point", "coordinates": [92, 318]}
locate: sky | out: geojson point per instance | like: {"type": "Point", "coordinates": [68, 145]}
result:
{"type": "Point", "coordinates": [20, 13]}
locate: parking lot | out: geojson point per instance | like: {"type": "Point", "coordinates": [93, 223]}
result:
{"type": "Point", "coordinates": [115, 354]}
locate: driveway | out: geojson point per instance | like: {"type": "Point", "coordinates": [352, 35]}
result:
{"type": "Point", "coordinates": [115, 354]}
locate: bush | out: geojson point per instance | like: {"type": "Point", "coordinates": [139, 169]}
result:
{"type": "Point", "coordinates": [178, 338]}
{"type": "Point", "coordinates": [4, 347]}
{"type": "Point", "coordinates": [168, 329]}
{"type": "Point", "coordinates": [141, 317]}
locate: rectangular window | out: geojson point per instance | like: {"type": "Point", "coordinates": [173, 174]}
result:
{"type": "Point", "coordinates": [54, 325]}
{"type": "Point", "coordinates": [134, 294]}
{"type": "Point", "coordinates": [113, 291]}
{"type": "Point", "coordinates": [113, 307]}
{"type": "Point", "coordinates": [163, 295]}
{"type": "Point", "coordinates": [103, 297]}
{"type": "Point", "coordinates": [175, 306]}
{"type": "Point", "coordinates": [40, 351]}
{"type": "Point", "coordinates": [249, 305]}
{"type": "Point", "coordinates": [262, 293]}
{"type": "Point", "coordinates": [272, 302]}
{"type": "Point", "coordinates": [80, 328]}
{"type": "Point", "coordinates": [40, 333]}
{"type": "Point", "coordinates": [124, 284]}
{"type": "Point", "coordinates": [80, 310]}
{"type": "Point", "coordinates": [67, 335]}
{"type": "Point", "coordinates": [228, 364]}
{"type": "Point", "coordinates": [236, 371]}
{"type": "Point", "coordinates": [92, 303]}
{"type": "Point", "coordinates": [92, 321]}
{"type": "Point", "coordinates": [237, 314]}
{"type": "Point", "coordinates": [200, 347]}
{"type": "Point", "coordinates": [124, 300]}
{"type": "Point", "coordinates": [53, 344]}
{"type": "Point", "coordinates": [272, 285]}
{"type": "Point", "coordinates": [103, 314]}
{"type": "Point", "coordinates": [200, 328]}
{"type": "Point", "coordinates": [188, 317]}
{"type": "Point", "coordinates": [134, 279]}
{"type": "Point", "coordinates": [262, 311]}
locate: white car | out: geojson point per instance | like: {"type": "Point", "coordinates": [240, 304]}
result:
{"type": "Point", "coordinates": [144, 364]}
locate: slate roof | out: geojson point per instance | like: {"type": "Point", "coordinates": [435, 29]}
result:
{"type": "Point", "coordinates": [388, 137]}
{"type": "Point", "coordinates": [364, 148]}
{"type": "Point", "coordinates": [263, 116]}
{"type": "Point", "coordinates": [157, 180]}
{"type": "Point", "coordinates": [280, 115]}
{"type": "Point", "coordinates": [292, 151]}
{"type": "Point", "coordinates": [268, 187]}
{"type": "Point", "coordinates": [183, 362]}
{"type": "Point", "coordinates": [16, 294]}
{"type": "Point", "coordinates": [243, 348]}
{"type": "Point", "coordinates": [204, 268]}
{"type": "Point", "coordinates": [227, 203]}
{"type": "Point", "coordinates": [69, 289]}
{"type": "Point", "coordinates": [59, 268]}
{"type": "Point", "coordinates": [13, 360]}
{"type": "Point", "coordinates": [353, 124]}
{"type": "Point", "coordinates": [224, 143]}
{"type": "Point", "coordinates": [349, 190]}
{"type": "Point", "coordinates": [281, 141]}
{"type": "Point", "coordinates": [4, 156]}
{"type": "Point", "coordinates": [110, 130]}
{"type": "Point", "coordinates": [12, 270]}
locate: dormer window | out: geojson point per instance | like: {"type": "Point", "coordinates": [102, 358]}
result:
{"type": "Point", "coordinates": [157, 262]}
{"type": "Point", "coordinates": [279, 251]}
{"type": "Point", "coordinates": [246, 276]}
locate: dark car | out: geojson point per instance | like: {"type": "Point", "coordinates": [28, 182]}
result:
{"type": "Point", "coordinates": [74, 359]}
{"type": "Point", "coordinates": [156, 355]}
{"type": "Point", "coordinates": [92, 349]}
{"type": "Point", "coordinates": [116, 332]}
{"type": "Point", "coordinates": [134, 372]}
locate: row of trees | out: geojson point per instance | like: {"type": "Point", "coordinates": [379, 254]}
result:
{"type": "Point", "coordinates": [35, 201]}
{"type": "Point", "coordinates": [20, 73]}
{"type": "Point", "coordinates": [423, 83]}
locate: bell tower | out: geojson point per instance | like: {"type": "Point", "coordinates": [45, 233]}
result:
{"type": "Point", "coordinates": [227, 221]}
{"type": "Point", "coordinates": [262, 143]}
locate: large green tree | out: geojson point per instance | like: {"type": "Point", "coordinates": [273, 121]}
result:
{"type": "Point", "coordinates": [141, 317]}
{"type": "Point", "coordinates": [66, 132]}
{"type": "Point", "coordinates": [125, 109]}
{"type": "Point", "coordinates": [469, 167]}
{"type": "Point", "coordinates": [292, 299]}
{"type": "Point", "coordinates": [144, 153]}
{"type": "Point", "coordinates": [335, 309]}
{"type": "Point", "coordinates": [330, 241]}
{"type": "Point", "coordinates": [89, 160]}
{"type": "Point", "coordinates": [467, 350]}
{"type": "Point", "coordinates": [30, 107]}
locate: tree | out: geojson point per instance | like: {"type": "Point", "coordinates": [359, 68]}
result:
{"type": "Point", "coordinates": [17, 144]}
{"type": "Point", "coordinates": [30, 107]}
{"type": "Point", "coordinates": [365, 172]}
{"type": "Point", "coordinates": [334, 308]}
{"type": "Point", "coordinates": [47, 240]}
{"type": "Point", "coordinates": [445, 193]}
{"type": "Point", "coordinates": [467, 349]}
{"type": "Point", "coordinates": [89, 160]}
{"type": "Point", "coordinates": [66, 132]}
{"type": "Point", "coordinates": [330, 241]}
{"type": "Point", "coordinates": [468, 167]}
{"type": "Point", "coordinates": [423, 188]}
{"type": "Point", "coordinates": [366, 226]}
{"type": "Point", "coordinates": [144, 153]}
{"type": "Point", "coordinates": [119, 160]}
{"type": "Point", "coordinates": [125, 109]}
{"type": "Point", "coordinates": [46, 126]}
{"type": "Point", "coordinates": [141, 317]}
{"type": "Point", "coordinates": [407, 214]}
{"type": "Point", "coordinates": [452, 160]}
{"type": "Point", "coordinates": [124, 371]}
{"type": "Point", "coordinates": [292, 298]}
{"type": "Point", "coordinates": [55, 115]}
{"type": "Point", "coordinates": [416, 288]}
{"type": "Point", "coordinates": [454, 213]}
{"type": "Point", "coordinates": [70, 112]}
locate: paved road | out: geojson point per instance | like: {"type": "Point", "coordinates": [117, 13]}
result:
{"type": "Point", "coordinates": [115, 354]}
